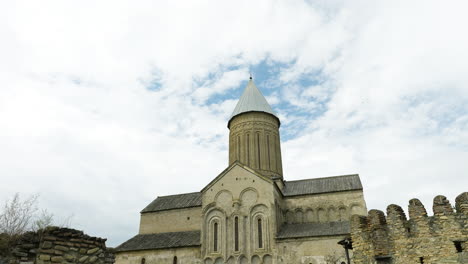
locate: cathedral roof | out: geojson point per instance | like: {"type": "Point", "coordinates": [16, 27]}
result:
{"type": "Point", "coordinates": [322, 185]}
{"type": "Point", "coordinates": [313, 229]}
{"type": "Point", "coordinates": [161, 240]}
{"type": "Point", "coordinates": [178, 201]}
{"type": "Point", "coordinates": [252, 100]}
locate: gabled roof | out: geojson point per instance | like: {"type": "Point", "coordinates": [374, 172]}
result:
{"type": "Point", "coordinates": [252, 100]}
{"type": "Point", "coordinates": [178, 201]}
{"type": "Point", "coordinates": [313, 230]}
{"type": "Point", "coordinates": [234, 164]}
{"type": "Point", "coordinates": [161, 240]}
{"type": "Point", "coordinates": [322, 185]}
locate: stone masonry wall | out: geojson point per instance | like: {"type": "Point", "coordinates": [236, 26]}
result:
{"type": "Point", "coordinates": [441, 238]}
{"type": "Point", "coordinates": [61, 245]}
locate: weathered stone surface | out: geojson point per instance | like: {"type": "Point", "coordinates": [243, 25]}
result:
{"type": "Point", "coordinates": [54, 245]}
{"type": "Point", "coordinates": [56, 259]}
{"type": "Point", "coordinates": [20, 254]}
{"type": "Point", "coordinates": [62, 248]}
{"type": "Point", "coordinates": [48, 251]}
{"type": "Point", "coordinates": [83, 259]}
{"type": "Point", "coordinates": [93, 250]}
{"type": "Point", "coordinates": [46, 244]}
{"type": "Point", "coordinates": [422, 238]}
{"type": "Point", "coordinates": [44, 257]}
{"type": "Point", "coordinates": [68, 257]}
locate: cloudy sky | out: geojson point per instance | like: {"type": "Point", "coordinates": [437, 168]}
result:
{"type": "Point", "coordinates": [105, 105]}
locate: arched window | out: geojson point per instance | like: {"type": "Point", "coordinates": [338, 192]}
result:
{"type": "Point", "coordinates": [215, 237]}
{"type": "Point", "coordinates": [175, 260]}
{"type": "Point", "coordinates": [143, 260]}
{"type": "Point", "coordinates": [260, 233]}
{"type": "Point", "coordinates": [236, 233]}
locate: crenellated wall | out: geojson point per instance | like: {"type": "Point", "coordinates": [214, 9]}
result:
{"type": "Point", "coordinates": [441, 238]}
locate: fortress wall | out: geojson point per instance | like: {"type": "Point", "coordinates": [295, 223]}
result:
{"type": "Point", "coordinates": [61, 245]}
{"type": "Point", "coordinates": [441, 238]}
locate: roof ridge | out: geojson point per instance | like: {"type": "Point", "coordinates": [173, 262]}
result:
{"type": "Point", "coordinates": [328, 177]}
{"type": "Point", "coordinates": [170, 195]}
{"type": "Point", "coordinates": [152, 234]}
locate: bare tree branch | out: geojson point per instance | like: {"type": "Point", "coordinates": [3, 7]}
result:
{"type": "Point", "coordinates": [17, 215]}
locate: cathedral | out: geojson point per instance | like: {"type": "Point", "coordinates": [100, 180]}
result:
{"type": "Point", "coordinates": [249, 213]}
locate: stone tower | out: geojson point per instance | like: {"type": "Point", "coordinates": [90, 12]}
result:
{"type": "Point", "coordinates": [254, 138]}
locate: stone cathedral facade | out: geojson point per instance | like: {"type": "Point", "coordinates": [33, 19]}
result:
{"type": "Point", "coordinates": [249, 213]}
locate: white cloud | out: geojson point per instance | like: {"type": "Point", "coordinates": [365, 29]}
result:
{"type": "Point", "coordinates": [79, 126]}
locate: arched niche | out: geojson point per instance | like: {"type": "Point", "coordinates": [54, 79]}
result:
{"type": "Point", "coordinates": [256, 259]}
{"type": "Point", "coordinates": [219, 261]}
{"type": "Point", "coordinates": [208, 261]}
{"type": "Point", "coordinates": [289, 217]}
{"type": "Point", "coordinates": [310, 216]}
{"type": "Point", "coordinates": [243, 260]}
{"type": "Point", "coordinates": [333, 214]}
{"type": "Point", "coordinates": [259, 208]}
{"type": "Point", "coordinates": [343, 213]}
{"type": "Point", "coordinates": [299, 216]}
{"type": "Point", "coordinates": [249, 197]}
{"type": "Point", "coordinates": [322, 215]}
{"type": "Point", "coordinates": [214, 226]}
{"type": "Point", "coordinates": [267, 259]}
{"type": "Point", "coordinates": [230, 260]}
{"type": "Point", "coordinates": [356, 209]}
{"type": "Point", "coordinates": [259, 227]}
{"type": "Point", "coordinates": [224, 199]}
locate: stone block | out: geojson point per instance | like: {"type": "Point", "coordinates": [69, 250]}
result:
{"type": "Point", "coordinates": [83, 259]}
{"type": "Point", "coordinates": [93, 250]}
{"type": "Point", "coordinates": [44, 257]}
{"type": "Point", "coordinates": [62, 248]}
{"type": "Point", "coordinates": [93, 259]}
{"type": "Point", "coordinates": [47, 251]}
{"type": "Point", "coordinates": [46, 244]}
{"type": "Point", "coordinates": [69, 257]}
{"type": "Point", "coordinates": [56, 259]}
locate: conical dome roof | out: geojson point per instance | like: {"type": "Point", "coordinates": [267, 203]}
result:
{"type": "Point", "coordinates": [252, 100]}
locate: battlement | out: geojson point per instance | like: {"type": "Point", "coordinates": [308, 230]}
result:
{"type": "Point", "coordinates": [441, 238]}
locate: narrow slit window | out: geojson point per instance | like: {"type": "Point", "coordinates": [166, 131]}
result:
{"type": "Point", "coordinates": [421, 260]}
{"type": "Point", "coordinates": [175, 260]}
{"type": "Point", "coordinates": [236, 233]}
{"type": "Point", "coordinates": [260, 233]}
{"type": "Point", "coordinates": [143, 260]}
{"type": "Point", "coordinates": [248, 150]}
{"type": "Point", "coordinates": [238, 148]}
{"type": "Point", "coordinates": [215, 237]}
{"type": "Point", "coordinates": [258, 150]}
{"type": "Point", "coordinates": [268, 150]}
